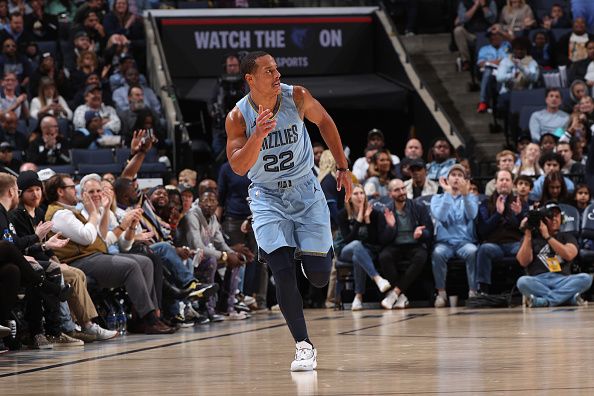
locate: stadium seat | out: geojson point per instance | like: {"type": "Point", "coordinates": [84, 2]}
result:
{"type": "Point", "coordinates": [424, 199]}
{"type": "Point", "coordinates": [571, 219]}
{"type": "Point", "coordinates": [587, 233]}
{"type": "Point", "coordinates": [527, 97]}
{"type": "Point", "coordinates": [525, 114]}
{"type": "Point", "coordinates": [558, 33]}
{"type": "Point", "coordinates": [68, 169]}
{"type": "Point", "coordinates": [85, 156]}
{"type": "Point", "coordinates": [48, 46]}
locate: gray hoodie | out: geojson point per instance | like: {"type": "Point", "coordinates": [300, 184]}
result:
{"type": "Point", "coordinates": [196, 232]}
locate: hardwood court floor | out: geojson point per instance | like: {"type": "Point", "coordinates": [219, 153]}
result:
{"type": "Point", "coordinates": [417, 351]}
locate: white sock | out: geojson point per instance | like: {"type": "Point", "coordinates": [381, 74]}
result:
{"type": "Point", "coordinates": [442, 294]}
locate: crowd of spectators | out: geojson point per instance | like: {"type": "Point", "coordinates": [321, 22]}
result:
{"type": "Point", "coordinates": [404, 215]}
{"type": "Point", "coordinates": [184, 252]}
{"type": "Point", "coordinates": [85, 251]}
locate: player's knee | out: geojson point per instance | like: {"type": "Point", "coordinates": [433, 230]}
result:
{"type": "Point", "coordinates": [318, 279]}
{"type": "Point", "coordinates": [318, 268]}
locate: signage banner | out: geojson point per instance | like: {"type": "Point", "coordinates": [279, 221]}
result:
{"type": "Point", "coordinates": [301, 45]}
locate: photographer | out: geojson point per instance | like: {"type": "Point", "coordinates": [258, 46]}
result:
{"type": "Point", "coordinates": [546, 255]}
{"type": "Point", "coordinates": [229, 88]}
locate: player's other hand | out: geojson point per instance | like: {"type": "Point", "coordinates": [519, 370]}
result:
{"type": "Point", "coordinates": [264, 123]}
{"type": "Point", "coordinates": [344, 179]}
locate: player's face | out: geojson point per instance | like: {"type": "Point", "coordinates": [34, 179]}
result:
{"type": "Point", "coordinates": [267, 78]}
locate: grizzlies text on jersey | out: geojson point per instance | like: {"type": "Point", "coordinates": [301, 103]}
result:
{"type": "Point", "coordinates": [286, 152]}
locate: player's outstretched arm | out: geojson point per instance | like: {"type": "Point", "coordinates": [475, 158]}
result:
{"type": "Point", "coordinates": [242, 151]}
{"type": "Point", "coordinates": [311, 109]}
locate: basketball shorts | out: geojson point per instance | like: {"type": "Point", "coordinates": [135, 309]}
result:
{"type": "Point", "coordinates": [291, 213]}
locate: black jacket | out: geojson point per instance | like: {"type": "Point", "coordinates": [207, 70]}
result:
{"type": "Point", "coordinates": [24, 227]}
{"type": "Point", "coordinates": [25, 244]}
{"type": "Point", "coordinates": [38, 154]}
{"type": "Point", "coordinates": [419, 213]}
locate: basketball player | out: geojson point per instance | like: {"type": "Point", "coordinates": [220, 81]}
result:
{"type": "Point", "coordinates": [268, 140]}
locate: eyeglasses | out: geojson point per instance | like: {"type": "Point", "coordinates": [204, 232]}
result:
{"type": "Point", "coordinates": [69, 186]}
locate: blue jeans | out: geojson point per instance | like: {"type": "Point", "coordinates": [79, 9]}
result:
{"type": "Point", "coordinates": [181, 274]}
{"type": "Point", "coordinates": [489, 252]}
{"type": "Point", "coordinates": [362, 263]}
{"type": "Point", "coordinates": [66, 323]}
{"type": "Point", "coordinates": [443, 252]}
{"type": "Point", "coordinates": [486, 81]}
{"type": "Point", "coordinates": [555, 288]}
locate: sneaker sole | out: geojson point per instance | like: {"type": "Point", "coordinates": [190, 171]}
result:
{"type": "Point", "coordinates": [205, 292]}
{"type": "Point", "coordinates": [106, 338]}
{"type": "Point", "coordinates": [43, 347]}
{"type": "Point", "coordinates": [385, 288]}
{"type": "Point", "coordinates": [305, 368]}
{"type": "Point", "coordinates": [68, 344]}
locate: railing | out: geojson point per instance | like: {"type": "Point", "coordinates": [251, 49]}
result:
{"type": "Point", "coordinates": [161, 83]}
{"type": "Point", "coordinates": [441, 117]}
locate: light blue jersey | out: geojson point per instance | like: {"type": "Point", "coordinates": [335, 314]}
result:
{"type": "Point", "coordinates": [286, 152]}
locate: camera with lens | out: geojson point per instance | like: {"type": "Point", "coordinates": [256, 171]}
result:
{"type": "Point", "coordinates": [535, 216]}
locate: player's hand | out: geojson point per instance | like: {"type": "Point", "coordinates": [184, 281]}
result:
{"type": "Point", "coordinates": [264, 124]}
{"type": "Point", "coordinates": [344, 179]}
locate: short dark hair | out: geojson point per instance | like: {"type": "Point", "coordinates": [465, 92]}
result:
{"type": "Point", "coordinates": [14, 15]}
{"type": "Point", "coordinates": [520, 43]}
{"type": "Point", "coordinates": [134, 86]}
{"type": "Point", "coordinates": [552, 89]}
{"type": "Point", "coordinates": [53, 184]}
{"type": "Point", "coordinates": [248, 63]}
{"type": "Point", "coordinates": [551, 156]}
{"type": "Point", "coordinates": [121, 186]}
{"type": "Point", "coordinates": [524, 178]}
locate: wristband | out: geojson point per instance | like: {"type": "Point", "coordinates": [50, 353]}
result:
{"type": "Point", "coordinates": [120, 227]}
{"type": "Point", "coordinates": [548, 239]}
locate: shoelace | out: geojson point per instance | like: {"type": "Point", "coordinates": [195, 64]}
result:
{"type": "Point", "coordinates": [303, 354]}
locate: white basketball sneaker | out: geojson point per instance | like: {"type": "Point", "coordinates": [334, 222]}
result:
{"type": "Point", "coordinates": [305, 357]}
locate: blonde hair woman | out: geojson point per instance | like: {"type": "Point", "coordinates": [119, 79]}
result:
{"type": "Point", "coordinates": [49, 101]}
{"type": "Point", "coordinates": [327, 178]}
{"type": "Point", "coordinates": [529, 161]}
{"type": "Point", "coordinates": [359, 226]}
{"type": "Point", "coordinates": [515, 17]}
